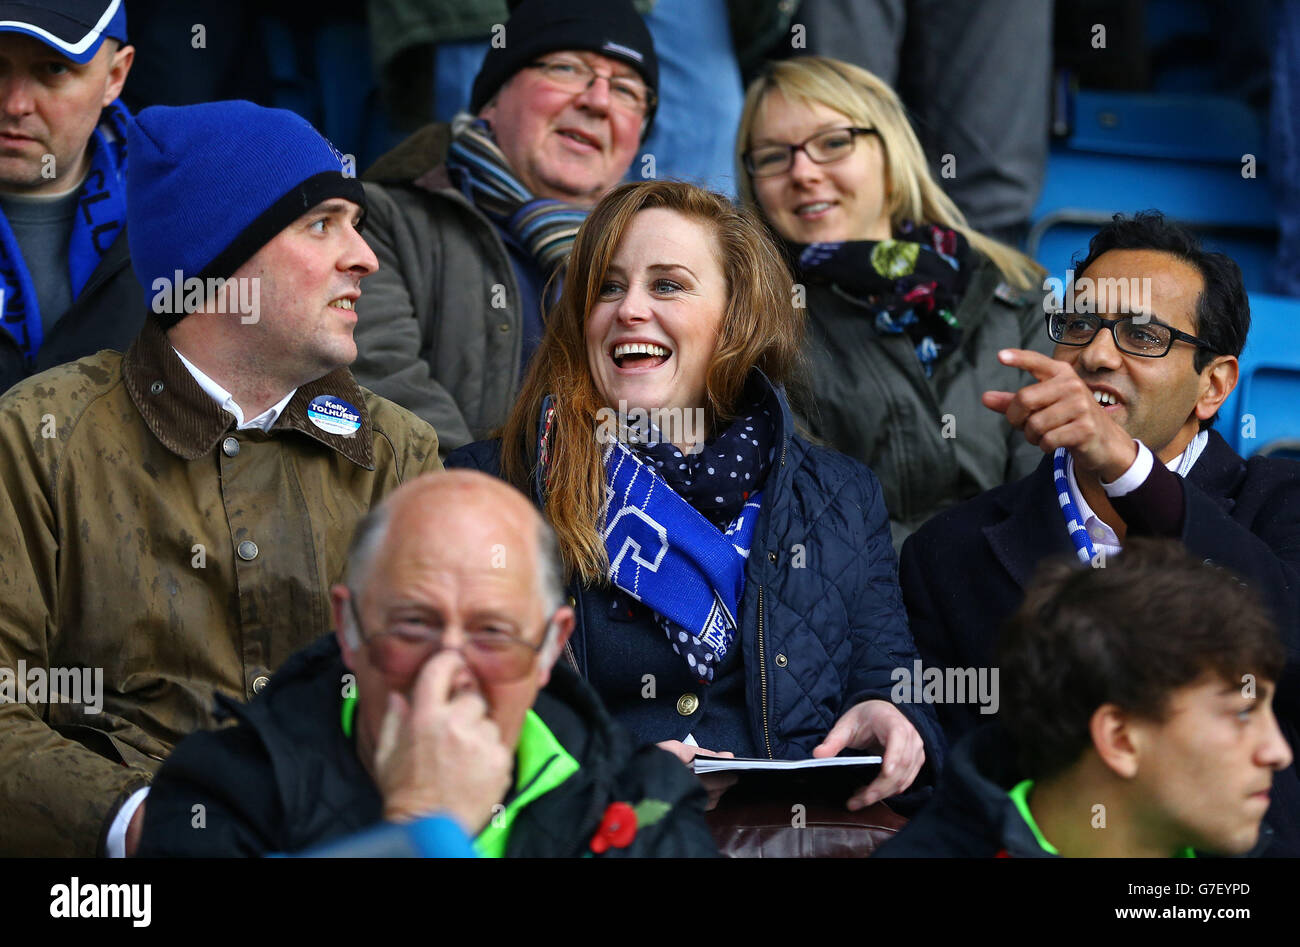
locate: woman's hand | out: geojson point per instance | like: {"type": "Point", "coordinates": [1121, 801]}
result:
{"type": "Point", "coordinates": [714, 783]}
{"type": "Point", "coordinates": [877, 723]}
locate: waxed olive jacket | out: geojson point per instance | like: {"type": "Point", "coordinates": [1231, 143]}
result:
{"type": "Point", "coordinates": [144, 537]}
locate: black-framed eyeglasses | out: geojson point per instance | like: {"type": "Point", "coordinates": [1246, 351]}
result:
{"type": "Point", "coordinates": [494, 655]}
{"type": "Point", "coordinates": [823, 148]}
{"type": "Point", "coordinates": [1137, 335]}
{"type": "Point", "coordinates": [574, 75]}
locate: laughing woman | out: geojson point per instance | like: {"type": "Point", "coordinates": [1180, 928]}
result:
{"type": "Point", "coordinates": [734, 585]}
{"type": "Point", "coordinates": [907, 306]}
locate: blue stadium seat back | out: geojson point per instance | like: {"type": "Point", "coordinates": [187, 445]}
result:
{"type": "Point", "coordinates": [1264, 411]}
{"type": "Point", "coordinates": [1196, 158]}
{"type": "Point", "coordinates": [1206, 193]}
{"type": "Point", "coordinates": [1061, 243]}
{"type": "Point", "coordinates": [1066, 236]}
{"type": "Point", "coordinates": [1176, 126]}
{"type": "Point", "coordinates": [1252, 250]}
{"type": "Point", "coordinates": [1272, 396]}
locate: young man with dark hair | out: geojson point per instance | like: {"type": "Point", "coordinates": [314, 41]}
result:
{"type": "Point", "coordinates": [1145, 356]}
{"type": "Point", "coordinates": [1139, 698]}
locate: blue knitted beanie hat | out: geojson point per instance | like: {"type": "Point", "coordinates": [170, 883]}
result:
{"type": "Point", "coordinates": [209, 185]}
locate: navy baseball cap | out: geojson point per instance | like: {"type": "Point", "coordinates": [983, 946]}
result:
{"type": "Point", "coordinates": [74, 28]}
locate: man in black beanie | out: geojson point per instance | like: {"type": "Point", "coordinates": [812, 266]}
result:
{"type": "Point", "coordinates": [469, 220]}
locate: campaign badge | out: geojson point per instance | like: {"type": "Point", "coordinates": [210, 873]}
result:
{"type": "Point", "coordinates": [334, 415]}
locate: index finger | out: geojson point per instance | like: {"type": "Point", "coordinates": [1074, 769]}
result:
{"type": "Point", "coordinates": [434, 683]}
{"type": "Point", "coordinates": [834, 741]}
{"type": "Point", "coordinates": [1037, 364]}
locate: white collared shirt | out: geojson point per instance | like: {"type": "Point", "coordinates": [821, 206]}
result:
{"type": "Point", "coordinates": [264, 421]}
{"type": "Point", "coordinates": [1104, 539]}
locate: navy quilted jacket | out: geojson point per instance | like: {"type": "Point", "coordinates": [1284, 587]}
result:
{"type": "Point", "coordinates": [823, 623]}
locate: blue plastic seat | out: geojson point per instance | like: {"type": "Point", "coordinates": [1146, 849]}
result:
{"type": "Point", "coordinates": [1266, 401]}
{"type": "Point", "coordinates": [1181, 154]}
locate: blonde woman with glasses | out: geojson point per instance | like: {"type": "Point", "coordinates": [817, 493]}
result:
{"type": "Point", "coordinates": [907, 306]}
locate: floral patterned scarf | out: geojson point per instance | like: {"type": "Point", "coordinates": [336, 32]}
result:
{"type": "Point", "coordinates": [912, 283]}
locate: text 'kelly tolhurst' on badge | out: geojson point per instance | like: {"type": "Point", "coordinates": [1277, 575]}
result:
{"type": "Point", "coordinates": [334, 415]}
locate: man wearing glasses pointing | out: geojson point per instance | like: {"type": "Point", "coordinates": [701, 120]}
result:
{"type": "Point", "coordinates": [1124, 415]}
{"type": "Point", "coordinates": [443, 692]}
{"type": "Point", "coordinates": [471, 220]}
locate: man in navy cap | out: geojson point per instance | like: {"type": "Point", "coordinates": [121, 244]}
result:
{"type": "Point", "coordinates": [470, 220]}
{"type": "Point", "coordinates": [66, 286]}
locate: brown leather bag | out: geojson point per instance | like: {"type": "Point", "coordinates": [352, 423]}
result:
{"type": "Point", "coordinates": [747, 827]}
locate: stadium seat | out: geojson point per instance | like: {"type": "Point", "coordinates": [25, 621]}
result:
{"type": "Point", "coordinates": [1263, 414]}
{"type": "Point", "coordinates": [1184, 155]}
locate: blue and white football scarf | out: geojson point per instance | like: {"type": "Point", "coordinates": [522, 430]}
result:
{"type": "Point", "coordinates": [101, 215]}
{"type": "Point", "coordinates": [665, 554]}
{"type": "Point", "coordinates": [1083, 547]}
{"type": "Point", "coordinates": [1073, 520]}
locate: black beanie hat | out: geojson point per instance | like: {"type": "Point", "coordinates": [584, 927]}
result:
{"type": "Point", "coordinates": [612, 28]}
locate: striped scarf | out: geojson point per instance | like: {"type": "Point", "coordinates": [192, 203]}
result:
{"type": "Point", "coordinates": [1083, 547]}
{"type": "Point", "coordinates": [545, 227]}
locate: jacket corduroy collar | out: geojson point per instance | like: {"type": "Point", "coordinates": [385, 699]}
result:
{"type": "Point", "coordinates": [189, 423]}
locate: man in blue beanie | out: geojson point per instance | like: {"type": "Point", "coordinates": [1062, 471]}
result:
{"type": "Point", "coordinates": [172, 518]}
{"type": "Point", "coordinates": [470, 220]}
{"type": "Point", "coordinates": [66, 287]}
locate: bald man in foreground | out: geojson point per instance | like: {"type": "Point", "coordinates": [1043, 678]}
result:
{"type": "Point", "coordinates": [439, 694]}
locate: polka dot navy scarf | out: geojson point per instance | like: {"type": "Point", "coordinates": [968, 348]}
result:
{"type": "Point", "coordinates": [717, 479]}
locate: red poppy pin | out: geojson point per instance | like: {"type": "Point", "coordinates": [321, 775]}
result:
{"type": "Point", "coordinates": [619, 825]}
